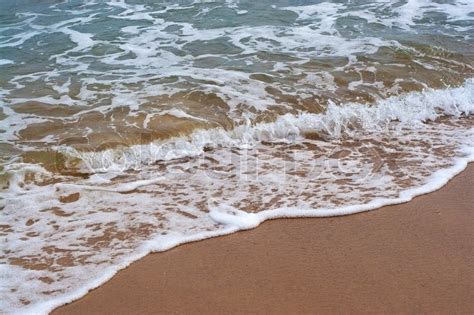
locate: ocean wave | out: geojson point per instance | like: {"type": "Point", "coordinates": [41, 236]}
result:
{"type": "Point", "coordinates": [335, 122]}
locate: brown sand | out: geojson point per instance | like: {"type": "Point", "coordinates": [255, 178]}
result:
{"type": "Point", "coordinates": [411, 258]}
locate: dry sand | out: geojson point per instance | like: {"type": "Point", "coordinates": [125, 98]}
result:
{"type": "Point", "coordinates": [411, 258]}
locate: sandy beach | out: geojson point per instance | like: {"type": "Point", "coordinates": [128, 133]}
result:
{"type": "Point", "coordinates": [409, 258]}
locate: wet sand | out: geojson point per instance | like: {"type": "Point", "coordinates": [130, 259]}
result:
{"type": "Point", "coordinates": [412, 258]}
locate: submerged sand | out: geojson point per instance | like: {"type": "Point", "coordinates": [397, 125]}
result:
{"type": "Point", "coordinates": [410, 258]}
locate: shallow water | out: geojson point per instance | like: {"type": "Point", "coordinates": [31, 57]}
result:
{"type": "Point", "coordinates": [130, 127]}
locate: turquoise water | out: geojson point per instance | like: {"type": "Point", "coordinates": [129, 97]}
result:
{"type": "Point", "coordinates": [223, 62]}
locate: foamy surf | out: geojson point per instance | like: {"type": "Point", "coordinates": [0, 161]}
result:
{"type": "Point", "coordinates": [335, 122]}
{"type": "Point", "coordinates": [72, 230]}
{"type": "Point", "coordinates": [233, 221]}
{"type": "Point", "coordinates": [136, 128]}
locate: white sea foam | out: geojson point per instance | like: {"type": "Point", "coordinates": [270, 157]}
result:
{"type": "Point", "coordinates": [6, 62]}
{"type": "Point", "coordinates": [406, 17]}
{"type": "Point", "coordinates": [231, 220]}
{"type": "Point", "coordinates": [335, 122]}
{"type": "Point", "coordinates": [153, 46]}
{"type": "Point", "coordinates": [77, 233]}
{"type": "Point", "coordinates": [82, 40]}
{"type": "Point", "coordinates": [180, 114]}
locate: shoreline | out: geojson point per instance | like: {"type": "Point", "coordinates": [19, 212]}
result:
{"type": "Point", "coordinates": [410, 258]}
